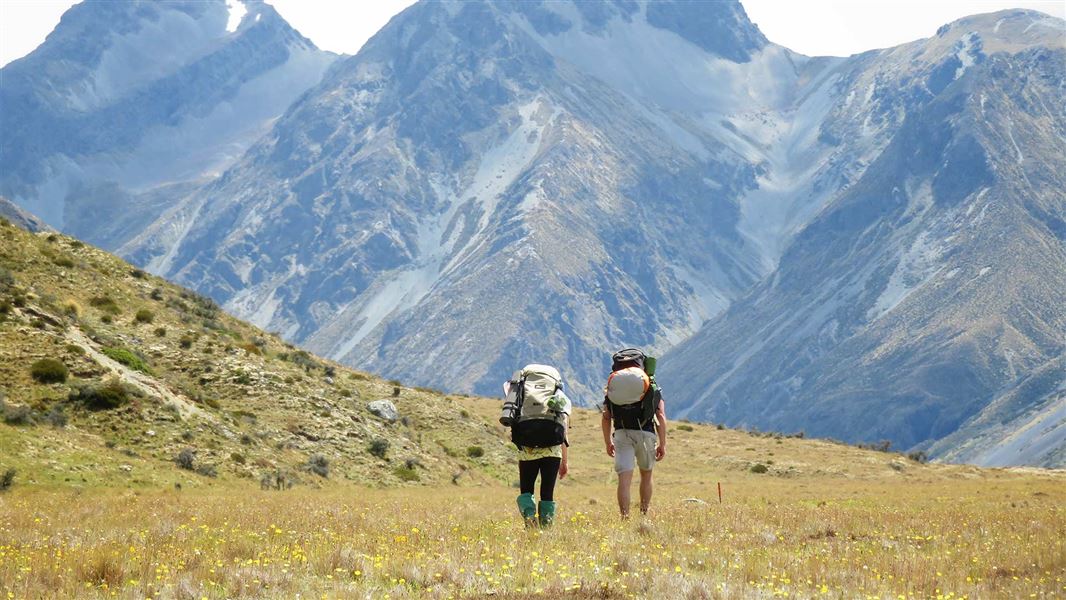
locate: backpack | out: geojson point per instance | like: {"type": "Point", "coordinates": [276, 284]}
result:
{"type": "Point", "coordinates": [631, 392]}
{"type": "Point", "coordinates": [532, 409]}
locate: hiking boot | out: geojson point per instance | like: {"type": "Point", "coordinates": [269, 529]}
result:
{"type": "Point", "coordinates": [528, 508]}
{"type": "Point", "coordinates": [547, 512]}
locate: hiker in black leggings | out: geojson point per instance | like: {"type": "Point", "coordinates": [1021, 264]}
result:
{"type": "Point", "coordinates": [548, 468]}
{"type": "Point", "coordinates": [549, 463]}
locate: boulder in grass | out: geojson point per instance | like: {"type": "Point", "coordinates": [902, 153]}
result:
{"type": "Point", "coordinates": [384, 410]}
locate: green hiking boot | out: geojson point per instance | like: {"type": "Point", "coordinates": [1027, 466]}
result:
{"type": "Point", "coordinates": [547, 512]}
{"type": "Point", "coordinates": [528, 508]}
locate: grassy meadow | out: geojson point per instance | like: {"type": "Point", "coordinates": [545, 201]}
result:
{"type": "Point", "coordinates": [142, 452]}
{"type": "Point", "coordinates": [825, 520]}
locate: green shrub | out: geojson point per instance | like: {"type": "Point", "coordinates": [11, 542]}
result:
{"type": "Point", "coordinates": [475, 452]}
{"type": "Point", "coordinates": [379, 447]}
{"type": "Point", "coordinates": [49, 370]}
{"type": "Point", "coordinates": [251, 348]}
{"type": "Point", "coordinates": [16, 416]}
{"type": "Point", "coordinates": [319, 465]}
{"type": "Point", "coordinates": [186, 341]}
{"type": "Point", "coordinates": [144, 316]}
{"type": "Point", "coordinates": [160, 332]}
{"type": "Point", "coordinates": [238, 458]}
{"type": "Point", "coordinates": [7, 480]}
{"type": "Point", "coordinates": [75, 349]}
{"type": "Point", "coordinates": [207, 471]}
{"type": "Point", "coordinates": [758, 468]}
{"type": "Point", "coordinates": [104, 396]}
{"type": "Point", "coordinates": [406, 473]}
{"type": "Point", "coordinates": [57, 416]}
{"type": "Point", "coordinates": [138, 274]}
{"type": "Point", "coordinates": [186, 459]}
{"type": "Point", "coordinates": [128, 358]}
{"type": "Point", "coordinates": [684, 427]}
{"type": "Point", "coordinates": [157, 294]}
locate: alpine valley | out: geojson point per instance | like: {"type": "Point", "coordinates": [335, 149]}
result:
{"type": "Point", "coordinates": [866, 248]}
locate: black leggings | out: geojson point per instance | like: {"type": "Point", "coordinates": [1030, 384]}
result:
{"type": "Point", "coordinates": [547, 467]}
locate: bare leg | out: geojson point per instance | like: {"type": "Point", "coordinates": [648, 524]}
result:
{"type": "Point", "coordinates": [645, 490]}
{"type": "Point", "coordinates": [625, 479]}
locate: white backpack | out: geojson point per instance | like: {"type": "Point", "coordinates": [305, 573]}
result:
{"type": "Point", "coordinates": [532, 409]}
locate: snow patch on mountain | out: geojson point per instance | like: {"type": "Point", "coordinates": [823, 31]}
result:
{"type": "Point", "coordinates": [237, 10]}
{"type": "Point", "coordinates": [965, 54]}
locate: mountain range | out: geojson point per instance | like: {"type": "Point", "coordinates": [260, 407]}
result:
{"type": "Point", "coordinates": [865, 248]}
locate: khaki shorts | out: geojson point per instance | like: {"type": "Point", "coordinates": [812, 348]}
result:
{"type": "Point", "coordinates": [633, 445]}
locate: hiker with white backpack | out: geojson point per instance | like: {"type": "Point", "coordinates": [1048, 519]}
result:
{"type": "Point", "coordinates": [538, 413]}
{"type": "Point", "coordinates": [633, 406]}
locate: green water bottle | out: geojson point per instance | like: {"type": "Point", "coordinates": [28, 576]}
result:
{"type": "Point", "coordinates": [649, 365]}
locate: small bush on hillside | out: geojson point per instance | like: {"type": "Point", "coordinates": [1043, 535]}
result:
{"type": "Point", "coordinates": [75, 349]}
{"type": "Point", "coordinates": [49, 370]}
{"type": "Point", "coordinates": [920, 456]}
{"type": "Point", "coordinates": [128, 358]}
{"type": "Point", "coordinates": [157, 294]}
{"type": "Point", "coordinates": [103, 396]}
{"type": "Point", "coordinates": [7, 480]}
{"type": "Point", "coordinates": [57, 416]}
{"type": "Point", "coordinates": [207, 471]}
{"type": "Point", "coordinates": [319, 465]}
{"type": "Point", "coordinates": [238, 458]}
{"type": "Point", "coordinates": [160, 332]}
{"type": "Point", "coordinates": [251, 348]}
{"type": "Point", "coordinates": [144, 316]}
{"type": "Point", "coordinates": [395, 392]}
{"type": "Point", "coordinates": [186, 459]}
{"type": "Point", "coordinates": [379, 447]}
{"type": "Point", "coordinates": [882, 446]}
{"type": "Point", "coordinates": [72, 309]}
{"type": "Point", "coordinates": [138, 274]}
{"type": "Point", "coordinates": [16, 416]}
{"type": "Point", "coordinates": [186, 341]}
{"type": "Point", "coordinates": [758, 468]}
{"type": "Point", "coordinates": [5, 307]}
{"type": "Point", "coordinates": [105, 304]}
{"type": "Point", "coordinates": [684, 427]}
{"type": "Point", "coordinates": [475, 452]}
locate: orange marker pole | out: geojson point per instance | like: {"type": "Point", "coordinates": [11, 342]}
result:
{"type": "Point", "coordinates": [719, 492]}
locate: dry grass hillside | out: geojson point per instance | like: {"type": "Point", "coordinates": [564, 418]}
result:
{"type": "Point", "coordinates": [93, 511]}
{"type": "Point", "coordinates": [141, 375]}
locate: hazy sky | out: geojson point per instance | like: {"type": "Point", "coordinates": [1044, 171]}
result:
{"type": "Point", "coordinates": [812, 27]}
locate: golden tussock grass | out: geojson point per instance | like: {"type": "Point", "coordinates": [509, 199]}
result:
{"type": "Point", "coordinates": [1000, 536]}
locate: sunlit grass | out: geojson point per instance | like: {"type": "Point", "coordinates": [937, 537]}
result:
{"type": "Point", "coordinates": [948, 539]}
